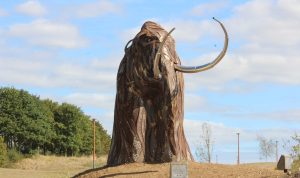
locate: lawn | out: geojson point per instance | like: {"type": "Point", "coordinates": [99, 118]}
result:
{"type": "Point", "coordinates": [50, 166]}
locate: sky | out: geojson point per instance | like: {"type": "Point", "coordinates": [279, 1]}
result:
{"type": "Point", "coordinates": [70, 52]}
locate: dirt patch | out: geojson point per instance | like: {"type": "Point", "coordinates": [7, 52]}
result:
{"type": "Point", "coordinates": [198, 170]}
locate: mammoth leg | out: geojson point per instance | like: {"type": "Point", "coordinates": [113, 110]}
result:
{"type": "Point", "coordinates": [157, 148]}
{"type": "Point", "coordinates": [129, 124]}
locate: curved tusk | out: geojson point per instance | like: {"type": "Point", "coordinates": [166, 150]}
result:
{"type": "Point", "coordinates": [207, 66]}
{"type": "Point", "coordinates": [156, 71]}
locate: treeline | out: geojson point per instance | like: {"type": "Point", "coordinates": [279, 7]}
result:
{"type": "Point", "coordinates": [29, 125]}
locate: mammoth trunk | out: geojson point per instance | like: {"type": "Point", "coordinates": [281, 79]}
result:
{"type": "Point", "coordinates": [148, 120]}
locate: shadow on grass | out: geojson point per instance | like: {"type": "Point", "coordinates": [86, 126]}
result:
{"type": "Point", "coordinates": [90, 170]}
{"type": "Point", "coordinates": [109, 175]}
{"type": "Point", "coordinates": [127, 173]}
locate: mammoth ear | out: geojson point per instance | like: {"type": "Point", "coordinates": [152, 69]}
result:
{"type": "Point", "coordinates": [194, 69]}
{"type": "Point", "coordinates": [156, 71]}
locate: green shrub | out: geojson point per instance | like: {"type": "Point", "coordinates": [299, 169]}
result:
{"type": "Point", "coordinates": [34, 152]}
{"type": "Point", "coordinates": [3, 152]}
{"type": "Point", "coordinates": [14, 156]}
{"type": "Point", "coordinates": [296, 165]}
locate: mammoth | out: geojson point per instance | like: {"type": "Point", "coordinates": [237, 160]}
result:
{"type": "Point", "coordinates": [148, 116]}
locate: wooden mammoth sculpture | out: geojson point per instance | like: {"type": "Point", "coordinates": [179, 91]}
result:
{"type": "Point", "coordinates": [148, 118]}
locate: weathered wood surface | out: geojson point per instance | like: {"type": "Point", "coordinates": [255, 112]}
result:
{"type": "Point", "coordinates": [148, 118]}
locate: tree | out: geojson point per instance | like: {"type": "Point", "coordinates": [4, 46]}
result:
{"type": "Point", "coordinates": [292, 146]}
{"type": "Point", "coordinates": [3, 152]}
{"type": "Point", "coordinates": [204, 149]}
{"type": "Point", "coordinates": [103, 140]}
{"type": "Point", "coordinates": [68, 118]}
{"type": "Point", "coordinates": [266, 147]}
{"type": "Point", "coordinates": [25, 123]}
{"type": "Point", "coordinates": [28, 124]}
{"type": "Point", "coordinates": [296, 147]}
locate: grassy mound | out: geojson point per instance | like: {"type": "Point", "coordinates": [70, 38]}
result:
{"type": "Point", "coordinates": [198, 170]}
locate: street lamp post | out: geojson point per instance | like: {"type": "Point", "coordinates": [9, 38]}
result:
{"type": "Point", "coordinates": [238, 156]}
{"type": "Point", "coordinates": [94, 143]}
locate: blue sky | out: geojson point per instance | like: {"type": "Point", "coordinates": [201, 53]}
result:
{"type": "Point", "coordinates": [70, 52]}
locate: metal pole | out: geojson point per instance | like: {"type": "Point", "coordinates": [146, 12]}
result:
{"type": "Point", "coordinates": [276, 151]}
{"type": "Point", "coordinates": [94, 143]}
{"type": "Point", "coordinates": [238, 158]}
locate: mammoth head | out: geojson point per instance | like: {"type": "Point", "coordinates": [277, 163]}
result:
{"type": "Point", "coordinates": [154, 64]}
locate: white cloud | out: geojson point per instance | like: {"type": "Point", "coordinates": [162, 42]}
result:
{"type": "Point", "coordinates": [3, 12]}
{"type": "Point", "coordinates": [129, 34]}
{"type": "Point", "coordinates": [93, 84]}
{"type": "Point", "coordinates": [195, 103]}
{"type": "Point", "coordinates": [39, 69]}
{"type": "Point", "coordinates": [106, 120]}
{"type": "Point", "coordinates": [225, 136]}
{"type": "Point", "coordinates": [252, 68]}
{"type": "Point", "coordinates": [220, 133]}
{"type": "Point", "coordinates": [97, 100]}
{"type": "Point", "coordinates": [288, 115]}
{"type": "Point", "coordinates": [191, 31]}
{"type": "Point", "coordinates": [277, 24]}
{"type": "Point", "coordinates": [186, 31]}
{"type": "Point", "coordinates": [291, 7]}
{"type": "Point", "coordinates": [46, 33]}
{"type": "Point", "coordinates": [263, 47]}
{"type": "Point", "coordinates": [96, 8]}
{"type": "Point", "coordinates": [86, 76]}
{"type": "Point", "coordinates": [207, 8]}
{"type": "Point", "coordinates": [32, 8]}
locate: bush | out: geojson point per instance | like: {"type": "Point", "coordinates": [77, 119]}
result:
{"type": "Point", "coordinates": [34, 152]}
{"type": "Point", "coordinates": [3, 152]}
{"type": "Point", "coordinates": [296, 165]}
{"type": "Point", "coordinates": [14, 156]}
